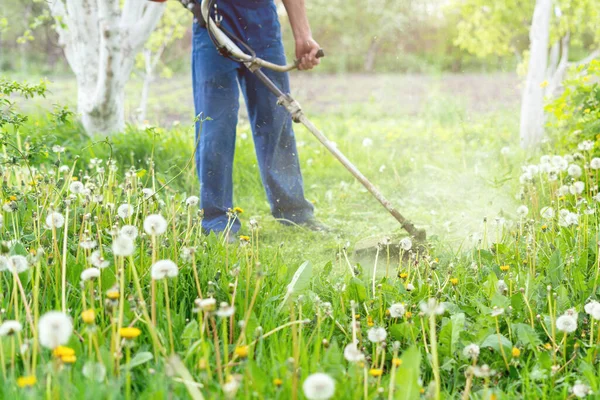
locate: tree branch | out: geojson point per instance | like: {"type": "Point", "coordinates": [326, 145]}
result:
{"type": "Point", "coordinates": [142, 30]}
{"type": "Point", "coordinates": [593, 55]}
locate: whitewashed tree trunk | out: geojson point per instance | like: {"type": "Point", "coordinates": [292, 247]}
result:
{"type": "Point", "coordinates": [100, 39]}
{"type": "Point", "coordinates": [532, 105]}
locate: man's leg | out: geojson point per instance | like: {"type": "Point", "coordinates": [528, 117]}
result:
{"type": "Point", "coordinates": [275, 142]}
{"type": "Point", "coordinates": [216, 96]}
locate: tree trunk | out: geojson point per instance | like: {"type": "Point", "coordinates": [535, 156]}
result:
{"type": "Point", "coordinates": [532, 106]}
{"type": "Point", "coordinates": [371, 55]}
{"type": "Point", "coordinates": [560, 70]}
{"type": "Point", "coordinates": [148, 77]}
{"type": "Point", "coordinates": [100, 39]}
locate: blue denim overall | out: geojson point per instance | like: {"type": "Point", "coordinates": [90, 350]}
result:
{"type": "Point", "coordinates": [216, 95]}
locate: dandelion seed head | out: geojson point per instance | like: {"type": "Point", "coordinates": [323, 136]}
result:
{"type": "Point", "coordinates": [129, 231]}
{"type": "Point", "coordinates": [580, 390]}
{"type": "Point", "coordinates": [164, 269]}
{"type": "Point", "coordinates": [376, 334]}
{"type": "Point", "coordinates": [90, 274]}
{"type": "Point", "coordinates": [352, 353]}
{"type": "Point", "coordinates": [76, 187]}
{"type": "Point", "coordinates": [10, 327]}
{"type": "Point", "coordinates": [192, 201]}
{"type": "Point", "coordinates": [55, 220]}
{"type": "Point", "coordinates": [125, 211]}
{"type": "Point", "coordinates": [471, 351]}
{"type": "Point", "coordinates": [123, 246]}
{"type": "Point", "coordinates": [566, 323]}
{"type": "Point", "coordinates": [17, 264]}
{"type": "Point", "coordinates": [54, 329]}
{"type": "Point", "coordinates": [318, 386]}
{"type": "Point", "coordinates": [155, 224]}
{"type": "Point", "coordinates": [397, 310]}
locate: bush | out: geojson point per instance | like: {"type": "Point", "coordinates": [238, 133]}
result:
{"type": "Point", "coordinates": [577, 110]}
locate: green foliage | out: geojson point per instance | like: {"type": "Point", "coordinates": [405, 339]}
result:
{"type": "Point", "coordinates": [577, 110]}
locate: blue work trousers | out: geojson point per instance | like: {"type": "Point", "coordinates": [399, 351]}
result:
{"type": "Point", "coordinates": [216, 95]}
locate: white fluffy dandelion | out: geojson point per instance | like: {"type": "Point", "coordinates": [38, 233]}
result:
{"type": "Point", "coordinates": [98, 261]}
{"type": "Point", "coordinates": [577, 187]}
{"type": "Point", "coordinates": [574, 170]}
{"type": "Point", "coordinates": [522, 211]}
{"type": "Point", "coordinates": [406, 244]}
{"type": "Point", "coordinates": [593, 309]}
{"type": "Point", "coordinates": [129, 231]}
{"type": "Point", "coordinates": [125, 211]}
{"type": "Point", "coordinates": [54, 329]}
{"type": "Point", "coordinates": [10, 327]}
{"type": "Point", "coordinates": [76, 187]}
{"type": "Point", "coordinates": [595, 163]}
{"type": "Point", "coordinates": [352, 353]}
{"type": "Point", "coordinates": [432, 306]}
{"type": "Point", "coordinates": [225, 310]}
{"type": "Point", "coordinates": [155, 224]}
{"type": "Point", "coordinates": [367, 142]}
{"type": "Point", "coordinates": [547, 212]}
{"type": "Point", "coordinates": [471, 351]}
{"type": "Point", "coordinates": [123, 246]}
{"type": "Point", "coordinates": [17, 264]}
{"type": "Point", "coordinates": [566, 323]}
{"type": "Point", "coordinates": [192, 201]}
{"type": "Point", "coordinates": [206, 305]}
{"type": "Point", "coordinates": [55, 220]}
{"type": "Point", "coordinates": [319, 386]}
{"type": "Point", "coordinates": [396, 310]}
{"type": "Point", "coordinates": [90, 274]}
{"type": "Point", "coordinates": [164, 269]}
{"type": "Point", "coordinates": [147, 192]}
{"type": "Point", "coordinates": [376, 334]}
{"type": "Point", "coordinates": [580, 390]}
{"type": "Point", "coordinates": [88, 244]}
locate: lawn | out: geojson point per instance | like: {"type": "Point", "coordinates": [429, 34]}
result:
{"type": "Point", "coordinates": [493, 309]}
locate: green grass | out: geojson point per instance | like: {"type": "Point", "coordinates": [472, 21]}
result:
{"type": "Point", "coordinates": [443, 168]}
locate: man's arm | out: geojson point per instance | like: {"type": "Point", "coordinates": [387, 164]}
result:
{"type": "Point", "coordinates": [306, 46]}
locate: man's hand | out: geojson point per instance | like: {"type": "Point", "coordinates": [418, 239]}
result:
{"type": "Point", "coordinates": [306, 47]}
{"type": "Point", "coordinates": [306, 53]}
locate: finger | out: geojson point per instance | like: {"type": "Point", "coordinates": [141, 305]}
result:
{"type": "Point", "coordinates": [304, 62]}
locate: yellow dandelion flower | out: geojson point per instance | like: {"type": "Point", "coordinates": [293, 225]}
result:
{"type": "Point", "coordinates": [62, 351]}
{"type": "Point", "coordinates": [504, 268]}
{"type": "Point", "coordinates": [403, 275]}
{"type": "Point", "coordinates": [112, 294]}
{"type": "Point", "coordinates": [544, 84]}
{"type": "Point", "coordinates": [74, 178]}
{"type": "Point", "coordinates": [408, 314]}
{"type": "Point", "coordinates": [493, 396]}
{"type": "Point", "coordinates": [88, 316]}
{"type": "Point", "coordinates": [244, 238]}
{"type": "Point", "coordinates": [454, 281]}
{"type": "Point", "coordinates": [357, 316]}
{"type": "Point", "coordinates": [238, 210]}
{"type": "Point", "coordinates": [129, 333]}
{"type": "Point", "coordinates": [548, 346]}
{"type": "Point", "coordinates": [241, 351]}
{"type": "Point", "coordinates": [375, 372]}
{"type": "Point", "coordinates": [26, 381]}
{"type": "Point", "coordinates": [13, 198]}
{"type": "Point", "coordinates": [370, 321]}
{"type": "Point", "coordinates": [70, 359]}
{"type": "Point", "coordinates": [396, 362]}
{"type": "Point", "coordinates": [277, 382]}
{"type": "Point", "coordinates": [516, 352]}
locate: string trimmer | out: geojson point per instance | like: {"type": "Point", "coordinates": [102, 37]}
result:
{"type": "Point", "coordinates": [225, 42]}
